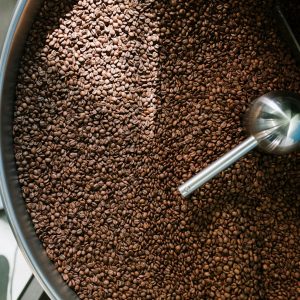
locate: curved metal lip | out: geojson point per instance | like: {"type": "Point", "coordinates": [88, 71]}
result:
{"type": "Point", "coordinates": [31, 247]}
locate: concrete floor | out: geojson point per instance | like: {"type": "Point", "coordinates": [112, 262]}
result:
{"type": "Point", "coordinates": [6, 9]}
{"type": "Point", "coordinates": [19, 272]}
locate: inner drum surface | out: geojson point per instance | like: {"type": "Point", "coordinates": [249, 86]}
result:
{"type": "Point", "coordinates": [118, 102]}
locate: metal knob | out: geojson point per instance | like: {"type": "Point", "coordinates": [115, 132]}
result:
{"type": "Point", "coordinates": [273, 122]}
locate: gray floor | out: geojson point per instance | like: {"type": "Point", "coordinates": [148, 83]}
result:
{"type": "Point", "coordinates": [18, 271]}
{"type": "Point", "coordinates": [6, 9]}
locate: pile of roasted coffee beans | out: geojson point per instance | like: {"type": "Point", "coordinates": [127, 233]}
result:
{"type": "Point", "coordinates": [120, 101]}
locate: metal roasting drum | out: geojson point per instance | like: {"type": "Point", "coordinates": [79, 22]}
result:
{"type": "Point", "coordinates": [14, 205]}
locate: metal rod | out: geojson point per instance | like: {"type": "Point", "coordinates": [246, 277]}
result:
{"type": "Point", "coordinates": [218, 166]}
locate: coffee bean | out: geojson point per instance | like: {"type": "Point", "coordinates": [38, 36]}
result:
{"type": "Point", "coordinates": [117, 103]}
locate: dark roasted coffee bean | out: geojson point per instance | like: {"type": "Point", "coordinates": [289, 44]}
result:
{"type": "Point", "coordinates": [118, 102]}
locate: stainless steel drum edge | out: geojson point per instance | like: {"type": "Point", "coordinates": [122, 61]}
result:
{"type": "Point", "coordinates": [14, 205]}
